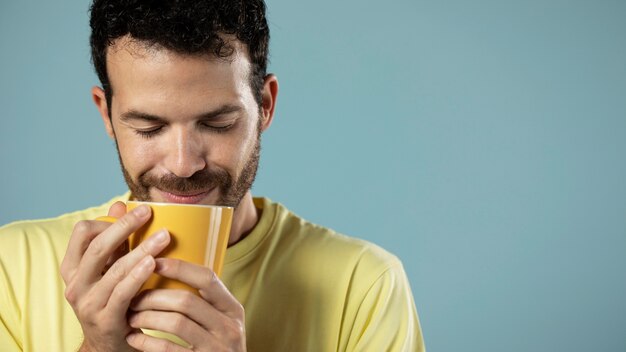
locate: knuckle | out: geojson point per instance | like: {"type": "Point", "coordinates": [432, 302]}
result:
{"type": "Point", "coordinates": [179, 323]}
{"type": "Point", "coordinates": [71, 294]}
{"type": "Point", "coordinates": [117, 271]}
{"type": "Point", "coordinates": [186, 301]}
{"type": "Point", "coordinates": [240, 310]}
{"type": "Point", "coordinates": [82, 227]}
{"type": "Point", "coordinates": [211, 278]}
{"type": "Point", "coordinates": [144, 248]}
{"type": "Point", "coordinates": [125, 222]}
{"type": "Point", "coordinates": [85, 307]}
{"type": "Point", "coordinates": [96, 246]}
{"type": "Point", "coordinates": [233, 330]}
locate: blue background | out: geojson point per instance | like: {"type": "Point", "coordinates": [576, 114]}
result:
{"type": "Point", "coordinates": [482, 142]}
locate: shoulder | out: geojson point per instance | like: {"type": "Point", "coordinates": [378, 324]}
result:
{"type": "Point", "coordinates": [331, 251]}
{"type": "Point", "coordinates": [51, 231]}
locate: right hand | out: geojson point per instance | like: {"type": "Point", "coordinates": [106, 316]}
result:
{"type": "Point", "coordinates": [99, 296]}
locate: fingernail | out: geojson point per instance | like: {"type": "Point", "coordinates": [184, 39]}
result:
{"type": "Point", "coordinates": [142, 210]}
{"type": "Point", "coordinates": [160, 237]}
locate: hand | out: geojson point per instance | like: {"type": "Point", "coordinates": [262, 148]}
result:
{"type": "Point", "coordinates": [100, 297]}
{"type": "Point", "coordinates": [212, 322]}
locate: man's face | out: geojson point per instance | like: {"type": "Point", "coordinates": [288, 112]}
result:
{"type": "Point", "coordinates": [187, 128]}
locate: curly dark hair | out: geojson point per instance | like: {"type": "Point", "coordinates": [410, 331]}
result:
{"type": "Point", "coordinates": [191, 27]}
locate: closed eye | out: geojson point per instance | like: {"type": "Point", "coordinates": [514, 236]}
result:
{"type": "Point", "coordinates": [149, 133]}
{"type": "Point", "coordinates": [218, 128]}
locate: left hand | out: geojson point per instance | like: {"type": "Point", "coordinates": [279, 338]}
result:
{"type": "Point", "coordinates": [212, 322]}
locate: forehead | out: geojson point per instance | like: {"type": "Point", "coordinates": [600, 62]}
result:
{"type": "Point", "coordinates": [137, 68]}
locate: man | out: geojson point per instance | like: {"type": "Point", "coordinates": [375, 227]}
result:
{"type": "Point", "coordinates": [185, 96]}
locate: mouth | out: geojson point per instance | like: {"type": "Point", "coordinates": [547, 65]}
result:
{"type": "Point", "coordinates": [194, 197]}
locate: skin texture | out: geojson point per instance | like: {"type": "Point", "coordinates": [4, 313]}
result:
{"type": "Point", "coordinates": [179, 93]}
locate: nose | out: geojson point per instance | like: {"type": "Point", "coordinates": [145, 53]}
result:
{"type": "Point", "coordinates": [184, 154]}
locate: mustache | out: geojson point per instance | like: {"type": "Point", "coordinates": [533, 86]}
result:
{"type": "Point", "coordinates": [200, 181]}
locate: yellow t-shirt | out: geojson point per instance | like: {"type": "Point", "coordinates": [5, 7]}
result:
{"type": "Point", "coordinates": [303, 287]}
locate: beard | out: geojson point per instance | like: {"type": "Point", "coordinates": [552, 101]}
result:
{"type": "Point", "coordinates": [231, 190]}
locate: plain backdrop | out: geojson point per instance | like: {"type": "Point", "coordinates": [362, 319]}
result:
{"type": "Point", "coordinates": [482, 142]}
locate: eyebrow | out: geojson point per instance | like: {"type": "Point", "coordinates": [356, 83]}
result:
{"type": "Point", "coordinates": [138, 115]}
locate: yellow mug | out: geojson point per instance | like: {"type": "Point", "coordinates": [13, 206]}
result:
{"type": "Point", "coordinates": [199, 234]}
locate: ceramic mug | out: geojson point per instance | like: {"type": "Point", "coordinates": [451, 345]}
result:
{"type": "Point", "coordinates": [198, 234]}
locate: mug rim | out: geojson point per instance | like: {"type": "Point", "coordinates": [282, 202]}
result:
{"type": "Point", "coordinates": [179, 204]}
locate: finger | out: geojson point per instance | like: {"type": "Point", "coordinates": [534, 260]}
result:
{"type": "Point", "coordinates": [205, 280]}
{"type": "Point", "coordinates": [120, 270]}
{"type": "Point", "coordinates": [143, 342]}
{"type": "Point", "coordinates": [117, 254]}
{"type": "Point", "coordinates": [82, 235]}
{"type": "Point", "coordinates": [121, 295]}
{"type": "Point", "coordinates": [117, 210]}
{"type": "Point", "coordinates": [101, 248]}
{"type": "Point", "coordinates": [183, 302]}
{"type": "Point", "coordinates": [172, 322]}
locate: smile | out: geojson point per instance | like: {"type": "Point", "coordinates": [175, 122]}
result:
{"type": "Point", "coordinates": [183, 198]}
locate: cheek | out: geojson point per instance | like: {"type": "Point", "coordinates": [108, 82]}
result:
{"type": "Point", "coordinates": [246, 148]}
{"type": "Point", "coordinates": [233, 153]}
{"type": "Point", "coordinates": [137, 155]}
{"type": "Point", "coordinates": [227, 154]}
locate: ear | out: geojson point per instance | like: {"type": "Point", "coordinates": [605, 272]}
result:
{"type": "Point", "coordinates": [97, 94]}
{"type": "Point", "coordinates": [268, 103]}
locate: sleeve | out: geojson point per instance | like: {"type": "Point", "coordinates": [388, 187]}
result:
{"type": "Point", "coordinates": [387, 318]}
{"type": "Point", "coordinates": [9, 312]}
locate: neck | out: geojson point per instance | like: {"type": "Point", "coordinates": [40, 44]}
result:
{"type": "Point", "coordinates": [245, 218]}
